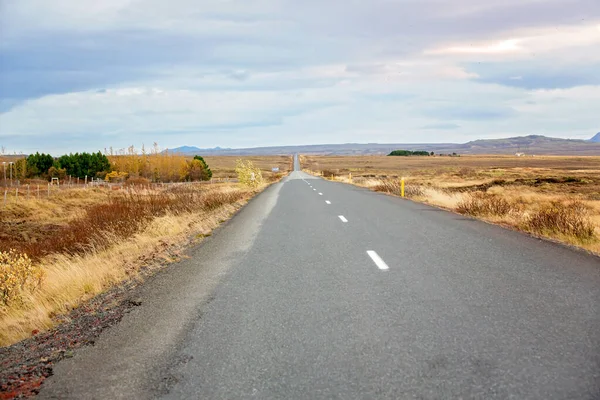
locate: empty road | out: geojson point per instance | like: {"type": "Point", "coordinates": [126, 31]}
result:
{"type": "Point", "coordinates": [320, 290]}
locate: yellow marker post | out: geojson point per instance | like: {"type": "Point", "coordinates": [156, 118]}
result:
{"type": "Point", "coordinates": [402, 187]}
{"type": "Point", "coordinates": [350, 177]}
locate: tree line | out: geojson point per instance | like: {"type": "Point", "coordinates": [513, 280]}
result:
{"type": "Point", "coordinates": [78, 165]}
{"type": "Point", "coordinates": [407, 153]}
{"type": "Point", "coordinates": [155, 167]}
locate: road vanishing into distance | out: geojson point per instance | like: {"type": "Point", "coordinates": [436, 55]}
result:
{"type": "Point", "coordinates": [321, 290]}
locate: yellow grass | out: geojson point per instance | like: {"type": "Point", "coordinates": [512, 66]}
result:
{"type": "Point", "coordinates": [224, 166]}
{"type": "Point", "coordinates": [72, 279]}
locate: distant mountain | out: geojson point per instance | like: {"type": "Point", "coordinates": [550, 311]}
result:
{"type": "Point", "coordinates": [596, 138]}
{"type": "Point", "coordinates": [533, 144]}
{"type": "Point", "coordinates": [193, 149]}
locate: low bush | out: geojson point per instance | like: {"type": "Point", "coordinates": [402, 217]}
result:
{"type": "Point", "coordinates": [485, 204]}
{"type": "Point", "coordinates": [570, 219]}
{"type": "Point", "coordinates": [248, 174]}
{"type": "Point", "coordinates": [393, 186]}
{"type": "Point", "coordinates": [328, 173]}
{"type": "Point", "coordinates": [17, 274]}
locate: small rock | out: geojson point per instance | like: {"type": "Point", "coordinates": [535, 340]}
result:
{"type": "Point", "coordinates": [135, 302]}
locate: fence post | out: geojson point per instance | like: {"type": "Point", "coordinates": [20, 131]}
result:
{"type": "Point", "coordinates": [86, 180]}
{"type": "Point", "coordinates": [28, 189]}
{"type": "Point", "coordinates": [5, 191]}
{"type": "Point", "coordinates": [38, 191]}
{"type": "Point", "coordinates": [16, 194]}
{"type": "Point", "coordinates": [402, 187]}
{"type": "Point", "coordinates": [350, 177]}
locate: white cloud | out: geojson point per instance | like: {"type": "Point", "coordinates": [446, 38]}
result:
{"type": "Point", "coordinates": [575, 40]}
{"type": "Point", "coordinates": [509, 46]}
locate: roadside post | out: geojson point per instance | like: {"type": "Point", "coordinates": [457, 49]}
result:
{"type": "Point", "coordinates": [402, 187]}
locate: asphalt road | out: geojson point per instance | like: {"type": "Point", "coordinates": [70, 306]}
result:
{"type": "Point", "coordinates": [324, 290]}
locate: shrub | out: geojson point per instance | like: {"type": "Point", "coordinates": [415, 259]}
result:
{"type": "Point", "coordinates": [485, 204]}
{"type": "Point", "coordinates": [327, 173]}
{"type": "Point", "coordinates": [116, 176]}
{"type": "Point", "coordinates": [17, 274]}
{"type": "Point", "coordinates": [569, 219]}
{"type": "Point", "coordinates": [393, 186]}
{"type": "Point", "coordinates": [248, 174]}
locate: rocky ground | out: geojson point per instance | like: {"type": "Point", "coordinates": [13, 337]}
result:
{"type": "Point", "coordinates": [25, 365]}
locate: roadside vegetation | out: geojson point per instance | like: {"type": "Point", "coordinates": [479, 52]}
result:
{"type": "Point", "coordinates": [552, 197]}
{"type": "Point", "coordinates": [60, 250]}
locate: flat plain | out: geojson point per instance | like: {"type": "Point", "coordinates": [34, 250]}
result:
{"type": "Point", "coordinates": [224, 166]}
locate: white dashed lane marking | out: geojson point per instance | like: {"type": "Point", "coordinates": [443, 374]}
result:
{"type": "Point", "coordinates": [377, 260]}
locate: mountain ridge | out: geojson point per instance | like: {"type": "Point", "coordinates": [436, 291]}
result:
{"type": "Point", "coordinates": [531, 144]}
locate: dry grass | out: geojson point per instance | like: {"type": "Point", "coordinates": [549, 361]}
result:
{"type": "Point", "coordinates": [224, 166]}
{"type": "Point", "coordinates": [485, 204]}
{"type": "Point", "coordinates": [555, 197]}
{"type": "Point", "coordinates": [116, 216]}
{"type": "Point", "coordinates": [109, 239]}
{"type": "Point", "coordinates": [566, 219]}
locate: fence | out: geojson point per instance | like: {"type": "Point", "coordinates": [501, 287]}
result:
{"type": "Point", "coordinates": [18, 192]}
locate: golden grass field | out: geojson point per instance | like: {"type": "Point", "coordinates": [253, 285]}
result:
{"type": "Point", "coordinates": [84, 241]}
{"type": "Point", "coordinates": [557, 197]}
{"type": "Point", "coordinates": [224, 166]}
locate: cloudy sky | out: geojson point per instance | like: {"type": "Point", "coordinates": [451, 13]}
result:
{"type": "Point", "coordinates": [81, 75]}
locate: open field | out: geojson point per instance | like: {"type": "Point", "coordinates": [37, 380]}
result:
{"type": "Point", "coordinates": [224, 166]}
{"type": "Point", "coordinates": [90, 241]}
{"type": "Point", "coordinates": [80, 241]}
{"type": "Point", "coordinates": [552, 196]}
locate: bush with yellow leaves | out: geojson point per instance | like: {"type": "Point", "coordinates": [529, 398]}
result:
{"type": "Point", "coordinates": [248, 174]}
{"type": "Point", "coordinates": [116, 176]}
{"type": "Point", "coordinates": [17, 275]}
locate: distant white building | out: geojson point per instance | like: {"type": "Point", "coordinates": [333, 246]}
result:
{"type": "Point", "coordinates": [519, 154]}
